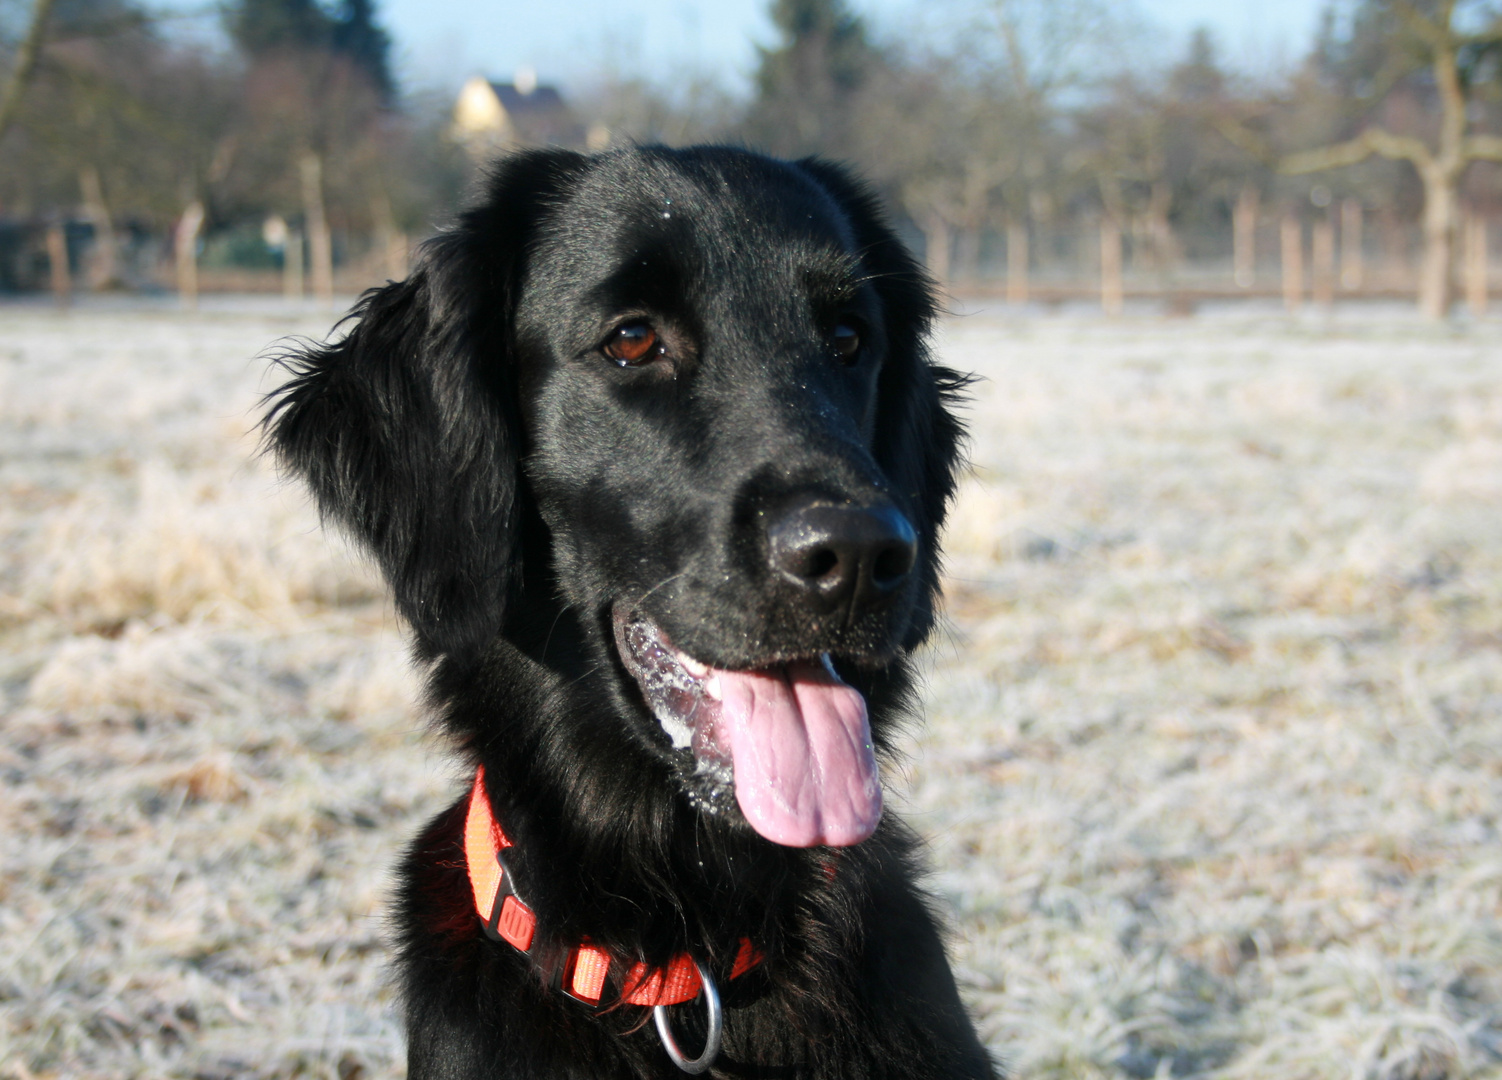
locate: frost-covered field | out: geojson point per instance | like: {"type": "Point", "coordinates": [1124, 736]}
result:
{"type": "Point", "coordinates": [1213, 765]}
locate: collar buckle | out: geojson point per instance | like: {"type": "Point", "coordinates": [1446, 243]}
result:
{"type": "Point", "coordinates": [511, 919]}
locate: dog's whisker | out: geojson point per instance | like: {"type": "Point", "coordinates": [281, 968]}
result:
{"type": "Point", "coordinates": [584, 675]}
{"type": "Point", "coordinates": [660, 585]}
{"type": "Point", "coordinates": [552, 626]}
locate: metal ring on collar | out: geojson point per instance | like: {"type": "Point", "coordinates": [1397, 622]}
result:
{"type": "Point", "coordinates": [694, 1066]}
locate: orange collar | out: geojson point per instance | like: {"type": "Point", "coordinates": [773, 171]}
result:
{"type": "Point", "coordinates": [582, 976]}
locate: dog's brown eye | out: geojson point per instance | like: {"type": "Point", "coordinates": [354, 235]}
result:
{"type": "Point", "coordinates": [634, 343]}
{"type": "Point", "coordinates": [846, 340]}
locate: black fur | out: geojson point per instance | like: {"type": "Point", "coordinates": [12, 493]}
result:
{"type": "Point", "coordinates": [517, 487]}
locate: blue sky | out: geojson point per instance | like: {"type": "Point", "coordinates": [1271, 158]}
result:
{"type": "Point", "coordinates": [442, 42]}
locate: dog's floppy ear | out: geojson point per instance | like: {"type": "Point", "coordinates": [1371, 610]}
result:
{"type": "Point", "coordinates": [406, 428]}
{"type": "Point", "coordinates": [919, 439]}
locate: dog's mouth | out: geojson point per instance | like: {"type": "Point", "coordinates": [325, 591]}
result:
{"type": "Point", "coordinates": [792, 738]}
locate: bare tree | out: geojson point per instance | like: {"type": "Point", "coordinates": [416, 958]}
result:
{"type": "Point", "coordinates": [943, 146]}
{"type": "Point", "coordinates": [1440, 165]}
{"type": "Point", "coordinates": [1147, 143]}
{"type": "Point", "coordinates": [1044, 51]}
{"type": "Point", "coordinates": [694, 109]}
{"type": "Point", "coordinates": [966, 135]}
{"type": "Point", "coordinates": [116, 114]}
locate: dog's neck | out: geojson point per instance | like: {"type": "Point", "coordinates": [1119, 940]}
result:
{"type": "Point", "coordinates": [586, 967]}
{"type": "Point", "coordinates": [595, 813]}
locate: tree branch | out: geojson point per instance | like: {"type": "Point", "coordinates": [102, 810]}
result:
{"type": "Point", "coordinates": [1373, 140]}
{"type": "Point", "coordinates": [1327, 157]}
{"type": "Point", "coordinates": [1246, 140]}
{"type": "Point", "coordinates": [1435, 33]}
{"type": "Point", "coordinates": [26, 60]}
{"type": "Point", "coordinates": [1484, 148]}
{"type": "Point", "coordinates": [1398, 147]}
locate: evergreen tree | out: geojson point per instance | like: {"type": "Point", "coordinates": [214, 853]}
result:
{"type": "Point", "coordinates": [356, 35]}
{"type": "Point", "coordinates": [1198, 77]}
{"type": "Point", "coordinates": [73, 19]}
{"type": "Point", "coordinates": [263, 26]}
{"type": "Point", "coordinates": [807, 84]}
{"type": "Point", "coordinates": [260, 27]}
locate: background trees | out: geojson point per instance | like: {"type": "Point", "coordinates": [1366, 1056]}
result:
{"type": "Point", "coordinates": [1012, 136]}
{"type": "Point", "coordinates": [291, 127]}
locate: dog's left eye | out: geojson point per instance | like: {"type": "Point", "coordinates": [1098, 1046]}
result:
{"type": "Point", "coordinates": [846, 340]}
{"type": "Point", "coordinates": [632, 344]}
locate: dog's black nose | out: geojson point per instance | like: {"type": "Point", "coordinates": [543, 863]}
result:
{"type": "Point", "coordinates": [843, 556]}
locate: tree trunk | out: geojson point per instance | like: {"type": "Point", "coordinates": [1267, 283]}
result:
{"type": "Point", "coordinates": [292, 257]}
{"type": "Point", "coordinates": [1017, 262]}
{"type": "Point", "coordinates": [1352, 265]}
{"type": "Point", "coordinates": [185, 251]}
{"type": "Point", "coordinates": [1159, 230]}
{"type": "Point", "coordinates": [1244, 238]}
{"type": "Point", "coordinates": [320, 243]}
{"type": "Point", "coordinates": [936, 247]}
{"type": "Point", "coordinates": [57, 264]}
{"type": "Point", "coordinates": [1435, 291]}
{"type": "Point", "coordinates": [391, 242]}
{"type": "Point", "coordinates": [104, 268]}
{"type": "Point", "coordinates": [1291, 235]}
{"type": "Point", "coordinates": [1439, 166]}
{"type": "Point", "coordinates": [1322, 256]}
{"type": "Point", "coordinates": [398, 256]}
{"type": "Point", "coordinates": [1394, 249]}
{"type": "Point", "coordinates": [1110, 266]}
{"type": "Point", "coordinates": [967, 255]}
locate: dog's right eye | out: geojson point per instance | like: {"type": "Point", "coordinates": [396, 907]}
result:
{"type": "Point", "coordinates": [633, 344]}
{"type": "Point", "coordinates": [846, 341]}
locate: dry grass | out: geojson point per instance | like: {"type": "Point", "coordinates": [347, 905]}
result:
{"type": "Point", "coordinates": [208, 745]}
{"type": "Point", "coordinates": [1214, 757]}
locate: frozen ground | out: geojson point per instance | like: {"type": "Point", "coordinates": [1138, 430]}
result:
{"type": "Point", "coordinates": [1212, 771]}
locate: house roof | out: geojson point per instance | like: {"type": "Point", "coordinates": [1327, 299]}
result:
{"type": "Point", "coordinates": [542, 99]}
{"type": "Point", "coordinates": [537, 115]}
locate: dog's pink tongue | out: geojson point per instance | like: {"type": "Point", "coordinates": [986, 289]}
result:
{"type": "Point", "coordinates": [805, 772]}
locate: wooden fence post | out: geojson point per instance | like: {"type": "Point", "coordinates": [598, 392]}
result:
{"type": "Point", "coordinates": [292, 271]}
{"type": "Point", "coordinates": [1244, 238]}
{"type": "Point", "coordinates": [398, 255]}
{"type": "Point", "coordinates": [1017, 262]}
{"type": "Point", "coordinates": [1352, 261]}
{"type": "Point", "coordinates": [320, 243]}
{"type": "Point", "coordinates": [1475, 264]}
{"type": "Point", "coordinates": [1291, 235]}
{"type": "Point", "coordinates": [1323, 258]}
{"type": "Point", "coordinates": [1394, 249]}
{"type": "Point", "coordinates": [1110, 266]}
{"type": "Point", "coordinates": [57, 264]}
{"type": "Point", "coordinates": [185, 253]}
{"type": "Point", "coordinates": [391, 242]}
{"type": "Point", "coordinates": [936, 246]}
{"type": "Point", "coordinates": [104, 266]}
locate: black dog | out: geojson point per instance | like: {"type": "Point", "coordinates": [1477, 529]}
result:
{"type": "Point", "coordinates": [652, 454]}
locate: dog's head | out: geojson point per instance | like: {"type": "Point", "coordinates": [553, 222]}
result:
{"type": "Point", "coordinates": [683, 397]}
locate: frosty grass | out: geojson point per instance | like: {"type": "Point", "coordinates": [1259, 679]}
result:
{"type": "Point", "coordinates": [1211, 770]}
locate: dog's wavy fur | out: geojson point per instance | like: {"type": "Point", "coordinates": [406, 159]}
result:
{"type": "Point", "coordinates": [514, 485]}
